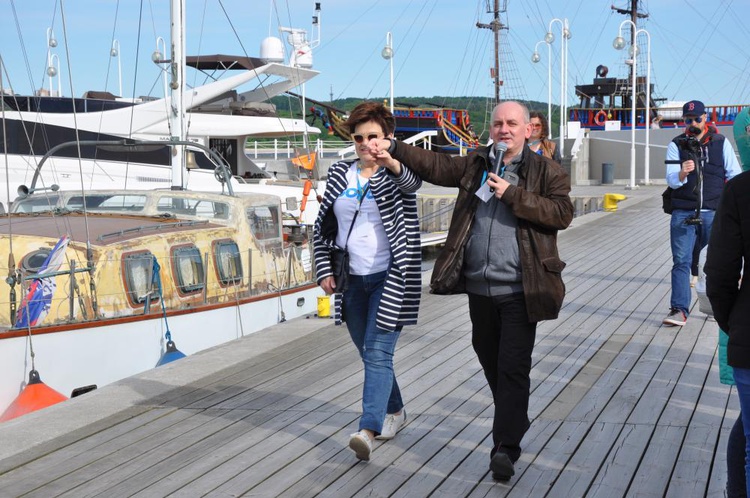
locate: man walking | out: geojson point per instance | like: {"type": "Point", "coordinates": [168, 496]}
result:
{"type": "Point", "coordinates": [501, 250]}
{"type": "Point", "coordinates": [699, 162]}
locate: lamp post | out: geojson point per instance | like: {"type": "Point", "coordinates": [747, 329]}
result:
{"type": "Point", "coordinates": [51, 70]}
{"type": "Point", "coordinates": [157, 57]}
{"type": "Point", "coordinates": [115, 52]}
{"type": "Point", "coordinates": [619, 44]}
{"type": "Point", "coordinates": [550, 38]}
{"type": "Point", "coordinates": [387, 54]}
{"type": "Point", "coordinates": [536, 58]}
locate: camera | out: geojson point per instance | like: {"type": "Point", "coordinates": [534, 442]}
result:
{"type": "Point", "coordinates": [690, 144]}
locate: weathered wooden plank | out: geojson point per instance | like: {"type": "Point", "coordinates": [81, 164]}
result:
{"type": "Point", "coordinates": [103, 473]}
{"type": "Point", "coordinates": [99, 445]}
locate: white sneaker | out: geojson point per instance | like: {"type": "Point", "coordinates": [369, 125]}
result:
{"type": "Point", "coordinates": [392, 424]}
{"type": "Point", "coordinates": [361, 444]}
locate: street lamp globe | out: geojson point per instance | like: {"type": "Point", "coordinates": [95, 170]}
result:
{"type": "Point", "coordinates": [51, 71]}
{"type": "Point", "coordinates": [156, 57]}
{"type": "Point", "coordinates": [535, 57]}
{"type": "Point", "coordinates": [387, 53]}
{"type": "Point", "coordinates": [619, 43]}
{"type": "Point", "coordinates": [113, 52]}
{"type": "Point", "coordinates": [549, 37]}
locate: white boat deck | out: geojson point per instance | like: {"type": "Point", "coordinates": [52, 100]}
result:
{"type": "Point", "coordinates": [621, 406]}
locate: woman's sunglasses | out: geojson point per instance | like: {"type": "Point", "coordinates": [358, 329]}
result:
{"type": "Point", "coordinates": [361, 138]}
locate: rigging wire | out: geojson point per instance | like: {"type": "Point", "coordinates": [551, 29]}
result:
{"type": "Point", "coordinates": [365, 60]}
{"type": "Point", "coordinates": [698, 46]}
{"type": "Point", "coordinates": [75, 125]}
{"type": "Point", "coordinates": [7, 166]}
{"type": "Point", "coordinates": [465, 57]}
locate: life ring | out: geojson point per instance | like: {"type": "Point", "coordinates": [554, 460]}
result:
{"type": "Point", "coordinates": [600, 118]}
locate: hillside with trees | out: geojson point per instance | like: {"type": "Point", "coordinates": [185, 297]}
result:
{"type": "Point", "coordinates": [479, 109]}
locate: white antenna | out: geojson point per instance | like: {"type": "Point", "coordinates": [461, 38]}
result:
{"type": "Point", "coordinates": [301, 55]}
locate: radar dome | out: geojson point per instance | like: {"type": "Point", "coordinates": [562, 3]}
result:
{"type": "Point", "coordinates": [272, 50]}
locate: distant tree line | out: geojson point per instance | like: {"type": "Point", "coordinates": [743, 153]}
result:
{"type": "Point", "coordinates": [479, 109]}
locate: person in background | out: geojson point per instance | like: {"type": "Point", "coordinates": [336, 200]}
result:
{"type": "Point", "coordinates": [727, 291]}
{"type": "Point", "coordinates": [501, 250]}
{"type": "Point", "coordinates": [538, 140]}
{"type": "Point", "coordinates": [695, 190]}
{"type": "Point", "coordinates": [385, 265]}
{"type": "Point", "coordinates": [656, 122]}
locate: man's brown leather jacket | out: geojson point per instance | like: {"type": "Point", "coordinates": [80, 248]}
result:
{"type": "Point", "coordinates": [540, 201]}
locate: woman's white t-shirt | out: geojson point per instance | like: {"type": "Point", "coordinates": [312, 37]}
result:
{"type": "Point", "coordinates": [369, 251]}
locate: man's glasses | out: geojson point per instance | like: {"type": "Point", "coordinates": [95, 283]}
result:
{"type": "Point", "coordinates": [361, 138]}
{"type": "Point", "coordinates": [689, 121]}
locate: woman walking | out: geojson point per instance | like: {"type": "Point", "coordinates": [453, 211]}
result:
{"type": "Point", "coordinates": [371, 212]}
{"type": "Point", "coordinates": [538, 141]}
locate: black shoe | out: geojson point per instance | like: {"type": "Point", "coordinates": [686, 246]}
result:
{"type": "Point", "coordinates": [502, 467]}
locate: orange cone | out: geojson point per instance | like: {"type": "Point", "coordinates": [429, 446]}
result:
{"type": "Point", "coordinates": [35, 396]}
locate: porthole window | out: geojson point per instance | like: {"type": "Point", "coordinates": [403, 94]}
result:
{"type": "Point", "coordinates": [188, 269]}
{"type": "Point", "coordinates": [228, 262]}
{"type": "Point", "coordinates": [138, 270]}
{"type": "Point", "coordinates": [31, 263]}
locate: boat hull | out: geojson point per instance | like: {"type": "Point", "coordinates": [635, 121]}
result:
{"type": "Point", "coordinates": [70, 357]}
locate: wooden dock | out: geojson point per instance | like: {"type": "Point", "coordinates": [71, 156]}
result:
{"type": "Point", "coordinates": [621, 406]}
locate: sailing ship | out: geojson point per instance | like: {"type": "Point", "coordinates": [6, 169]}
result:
{"type": "Point", "coordinates": [610, 99]}
{"type": "Point", "coordinates": [103, 284]}
{"type": "Point", "coordinates": [455, 133]}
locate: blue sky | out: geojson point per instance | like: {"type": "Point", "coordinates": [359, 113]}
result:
{"type": "Point", "coordinates": [699, 49]}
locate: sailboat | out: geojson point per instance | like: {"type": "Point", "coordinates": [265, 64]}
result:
{"type": "Point", "coordinates": [219, 118]}
{"type": "Point", "coordinates": [103, 284]}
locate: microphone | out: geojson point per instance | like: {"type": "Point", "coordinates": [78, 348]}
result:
{"type": "Point", "coordinates": [497, 166]}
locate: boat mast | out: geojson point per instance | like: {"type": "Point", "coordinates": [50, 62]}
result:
{"type": "Point", "coordinates": [496, 25]}
{"type": "Point", "coordinates": [177, 110]}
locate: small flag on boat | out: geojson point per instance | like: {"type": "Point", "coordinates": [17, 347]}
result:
{"type": "Point", "coordinates": [38, 300]}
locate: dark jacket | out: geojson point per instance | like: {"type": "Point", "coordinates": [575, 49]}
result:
{"type": "Point", "coordinates": [728, 249]}
{"type": "Point", "coordinates": [714, 174]}
{"type": "Point", "coordinates": [540, 202]}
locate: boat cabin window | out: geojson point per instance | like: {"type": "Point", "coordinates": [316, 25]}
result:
{"type": "Point", "coordinates": [32, 262]}
{"type": "Point", "coordinates": [264, 222]}
{"type": "Point", "coordinates": [108, 202]}
{"type": "Point", "coordinates": [138, 270]}
{"type": "Point", "coordinates": [228, 262]}
{"type": "Point", "coordinates": [188, 269]}
{"type": "Point", "coordinates": [193, 207]}
{"type": "Point", "coordinates": [36, 204]}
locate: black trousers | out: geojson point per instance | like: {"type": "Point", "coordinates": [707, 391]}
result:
{"type": "Point", "coordinates": [503, 339]}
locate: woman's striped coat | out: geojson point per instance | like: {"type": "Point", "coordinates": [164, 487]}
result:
{"type": "Point", "coordinates": [396, 199]}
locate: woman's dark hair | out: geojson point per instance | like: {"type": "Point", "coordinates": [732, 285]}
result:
{"type": "Point", "coordinates": [543, 120]}
{"type": "Point", "coordinates": [371, 111]}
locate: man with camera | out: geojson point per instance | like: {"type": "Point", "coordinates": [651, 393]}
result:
{"type": "Point", "coordinates": [699, 162]}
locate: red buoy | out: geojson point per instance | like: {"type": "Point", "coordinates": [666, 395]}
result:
{"type": "Point", "coordinates": [35, 396]}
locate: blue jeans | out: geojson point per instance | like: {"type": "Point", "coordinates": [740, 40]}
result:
{"type": "Point", "coordinates": [683, 238]}
{"type": "Point", "coordinates": [736, 482]}
{"type": "Point", "coordinates": [380, 393]}
{"type": "Point", "coordinates": [742, 379]}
